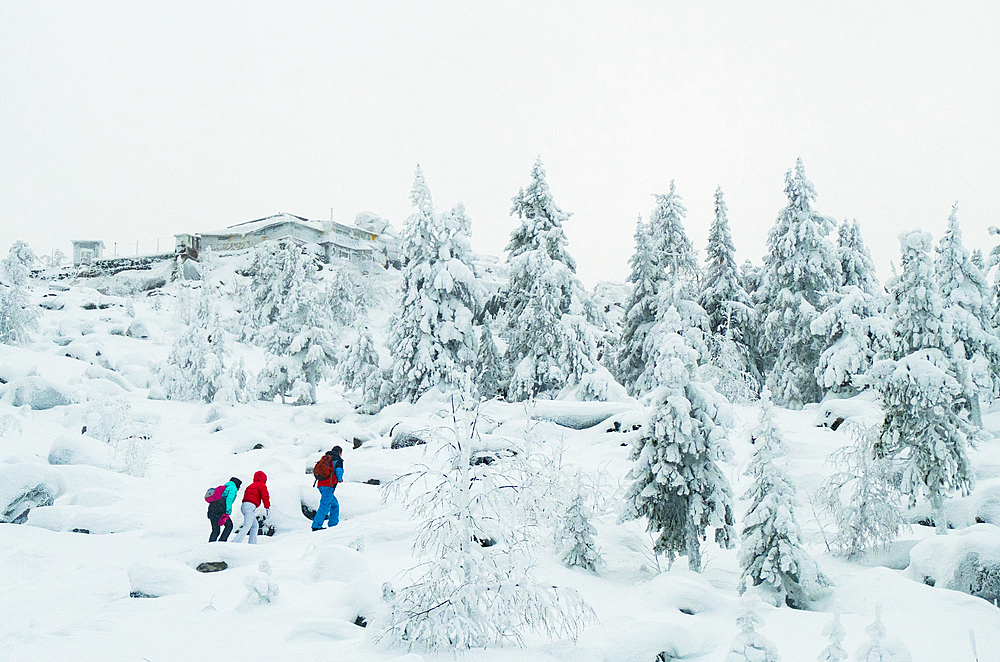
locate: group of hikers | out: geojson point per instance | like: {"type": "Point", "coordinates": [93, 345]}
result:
{"type": "Point", "coordinates": [327, 473]}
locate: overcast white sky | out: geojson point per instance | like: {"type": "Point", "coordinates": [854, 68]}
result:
{"type": "Point", "coordinates": [132, 121]}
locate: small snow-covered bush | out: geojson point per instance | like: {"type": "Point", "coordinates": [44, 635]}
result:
{"type": "Point", "coordinates": [881, 646]}
{"type": "Point", "coordinates": [130, 438]}
{"type": "Point", "coordinates": [863, 495]}
{"type": "Point", "coordinates": [578, 533]}
{"type": "Point", "coordinates": [750, 645]}
{"type": "Point", "coordinates": [474, 586]}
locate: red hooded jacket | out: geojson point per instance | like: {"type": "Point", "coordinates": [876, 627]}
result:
{"type": "Point", "coordinates": [256, 492]}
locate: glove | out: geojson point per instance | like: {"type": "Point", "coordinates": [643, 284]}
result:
{"type": "Point", "coordinates": [223, 519]}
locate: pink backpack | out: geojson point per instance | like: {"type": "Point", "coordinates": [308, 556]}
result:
{"type": "Point", "coordinates": [214, 493]}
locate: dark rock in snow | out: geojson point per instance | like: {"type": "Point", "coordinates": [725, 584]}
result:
{"type": "Point", "coordinates": [212, 566]}
{"type": "Point", "coordinates": [405, 440]}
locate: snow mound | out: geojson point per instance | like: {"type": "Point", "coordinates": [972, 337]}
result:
{"type": "Point", "coordinates": [158, 577]}
{"type": "Point", "coordinates": [860, 410]}
{"type": "Point", "coordinates": [83, 450]}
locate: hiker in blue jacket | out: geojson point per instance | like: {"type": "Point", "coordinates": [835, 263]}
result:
{"type": "Point", "coordinates": [220, 511]}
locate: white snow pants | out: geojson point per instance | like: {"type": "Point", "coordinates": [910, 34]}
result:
{"type": "Point", "coordinates": [249, 523]}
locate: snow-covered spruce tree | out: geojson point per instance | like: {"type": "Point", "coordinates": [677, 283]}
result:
{"type": "Point", "coordinates": [491, 370]}
{"type": "Point", "coordinates": [926, 423]}
{"type": "Point", "coordinates": [577, 533]}
{"type": "Point", "coordinates": [678, 288]}
{"type": "Point", "coordinates": [730, 312]}
{"type": "Point", "coordinates": [17, 317]}
{"type": "Point", "coordinates": [750, 645]}
{"type": "Point", "coordinates": [358, 369]}
{"type": "Point", "coordinates": [965, 295]}
{"type": "Point", "coordinates": [431, 337]}
{"type": "Point", "coordinates": [863, 495]}
{"type": "Point", "coordinates": [800, 266]}
{"type": "Point", "coordinates": [551, 338]}
{"type": "Point", "coordinates": [195, 370]}
{"type": "Point", "coordinates": [676, 484]}
{"type": "Point", "coordinates": [285, 316]}
{"type": "Point", "coordinates": [856, 331]}
{"type": "Point", "coordinates": [640, 309]}
{"type": "Point", "coordinates": [856, 265]}
{"type": "Point", "coordinates": [881, 647]}
{"type": "Point", "coordinates": [347, 298]}
{"type": "Point", "coordinates": [464, 594]}
{"type": "Point", "coordinates": [675, 253]}
{"type": "Point", "coordinates": [834, 651]}
{"type": "Point", "coordinates": [772, 559]}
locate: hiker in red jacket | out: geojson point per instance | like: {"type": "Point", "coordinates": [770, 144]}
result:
{"type": "Point", "coordinates": [328, 472]}
{"type": "Point", "coordinates": [253, 496]}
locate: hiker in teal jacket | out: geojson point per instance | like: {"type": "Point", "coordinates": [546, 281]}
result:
{"type": "Point", "coordinates": [220, 510]}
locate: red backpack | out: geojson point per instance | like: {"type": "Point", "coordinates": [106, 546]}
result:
{"type": "Point", "coordinates": [323, 468]}
{"type": "Point", "coordinates": [215, 493]}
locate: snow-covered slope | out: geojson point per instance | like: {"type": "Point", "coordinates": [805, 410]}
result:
{"type": "Point", "coordinates": [108, 569]}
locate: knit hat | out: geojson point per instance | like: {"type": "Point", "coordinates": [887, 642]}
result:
{"type": "Point", "coordinates": [236, 481]}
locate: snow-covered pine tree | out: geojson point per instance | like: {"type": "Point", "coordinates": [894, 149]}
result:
{"type": "Point", "coordinates": [834, 651]}
{"type": "Point", "coordinates": [965, 295]}
{"type": "Point", "coordinates": [358, 369]}
{"type": "Point", "coordinates": [676, 484]}
{"type": "Point", "coordinates": [470, 595]}
{"type": "Point", "coordinates": [577, 533]}
{"type": "Point", "coordinates": [863, 495]}
{"type": "Point", "coordinates": [926, 424]}
{"type": "Point", "coordinates": [431, 337]}
{"type": "Point", "coordinates": [491, 370]}
{"type": "Point", "coordinates": [856, 264]}
{"type": "Point", "coordinates": [676, 255]}
{"type": "Point", "coordinates": [195, 366]}
{"type": "Point", "coordinates": [750, 645]}
{"type": "Point", "coordinates": [729, 310]}
{"type": "Point", "coordinates": [856, 331]}
{"type": "Point", "coordinates": [881, 647]}
{"type": "Point", "coordinates": [640, 309]}
{"type": "Point", "coordinates": [285, 316]}
{"type": "Point", "coordinates": [678, 288]}
{"type": "Point", "coordinates": [772, 558]}
{"type": "Point", "coordinates": [723, 298]}
{"type": "Point", "coordinates": [800, 266]}
{"type": "Point", "coordinates": [17, 317]}
{"type": "Point", "coordinates": [551, 338]}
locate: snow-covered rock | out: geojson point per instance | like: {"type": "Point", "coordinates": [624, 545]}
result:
{"type": "Point", "coordinates": [35, 392]}
{"type": "Point", "coordinates": [26, 485]}
{"type": "Point", "coordinates": [967, 560]}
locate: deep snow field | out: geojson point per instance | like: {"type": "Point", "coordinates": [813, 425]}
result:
{"type": "Point", "coordinates": [65, 595]}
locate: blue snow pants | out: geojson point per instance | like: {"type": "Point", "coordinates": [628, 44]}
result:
{"type": "Point", "coordinates": [328, 507]}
